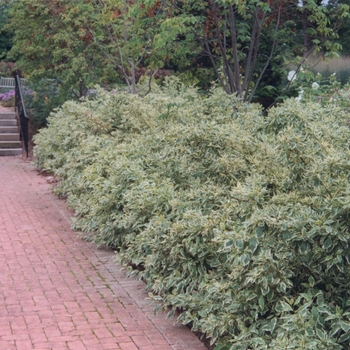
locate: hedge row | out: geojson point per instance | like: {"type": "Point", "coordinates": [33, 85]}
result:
{"type": "Point", "coordinates": [239, 220]}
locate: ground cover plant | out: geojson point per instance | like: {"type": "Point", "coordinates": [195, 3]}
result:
{"type": "Point", "coordinates": [238, 219]}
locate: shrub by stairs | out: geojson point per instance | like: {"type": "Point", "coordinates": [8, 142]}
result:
{"type": "Point", "coordinates": [10, 144]}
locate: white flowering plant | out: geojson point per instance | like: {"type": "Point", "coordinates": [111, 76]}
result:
{"type": "Point", "coordinates": [314, 87]}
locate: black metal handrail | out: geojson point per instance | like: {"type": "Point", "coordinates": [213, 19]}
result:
{"type": "Point", "coordinates": [22, 113]}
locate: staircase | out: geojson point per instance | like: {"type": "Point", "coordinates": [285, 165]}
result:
{"type": "Point", "coordinates": [10, 144]}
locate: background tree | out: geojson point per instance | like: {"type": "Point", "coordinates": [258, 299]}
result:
{"type": "Point", "coordinates": [5, 35]}
{"type": "Point", "coordinates": [82, 42]}
{"type": "Point", "coordinates": [248, 46]}
{"type": "Point", "coordinates": [50, 43]}
{"type": "Point", "coordinates": [126, 35]}
{"type": "Point", "coordinates": [247, 40]}
{"type": "Point", "coordinates": [343, 25]}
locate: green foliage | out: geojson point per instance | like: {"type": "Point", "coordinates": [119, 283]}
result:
{"type": "Point", "coordinates": [239, 220]}
{"type": "Point", "coordinates": [248, 44]}
{"type": "Point", "coordinates": [323, 89]}
{"type": "Point", "coordinates": [343, 25]}
{"type": "Point", "coordinates": [5, 35]}
{"type": "Point", "coordinates": [245, 45]}
{"type": "Point", "coordinates": [336, 66]}
{"type": "Point", "coordinates": [6, 69]}
{"type": "Point", "coordinates": [41, 98]}
{"type": "Point", "coordinates": [83, 42]}
{"type": "Point", "coordinates": [51, 42]}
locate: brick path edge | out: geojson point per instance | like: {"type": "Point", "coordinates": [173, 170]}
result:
{"type": "Point", "coordinates": [58, 292]}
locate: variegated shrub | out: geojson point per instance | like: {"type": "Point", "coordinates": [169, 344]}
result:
{"type": "Point", "coordinates": [239, 220]}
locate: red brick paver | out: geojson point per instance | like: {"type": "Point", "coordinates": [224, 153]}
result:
{"type": "Point", "coordinates": [58, 292]}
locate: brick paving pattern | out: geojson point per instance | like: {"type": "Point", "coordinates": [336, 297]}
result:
{"type": "Point", "coordinates": [57, 291]}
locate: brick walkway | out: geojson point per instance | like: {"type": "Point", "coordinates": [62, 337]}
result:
{"type": "Point", "coordinates": [59, 292]}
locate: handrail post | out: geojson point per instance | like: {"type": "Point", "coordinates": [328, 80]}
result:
{"type": "Point", "coordinates": [22, 113]}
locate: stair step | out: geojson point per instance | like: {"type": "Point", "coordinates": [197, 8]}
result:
{"type": "Point", "coordinates": [8, 115]}
{"type": "Point", "coordinates": [8, 129]}
{"type": "Point", "coordinates": [9, 137]}
{"type": "Point", "coordinates": [8, 122]}
{"type": "Point", "coordinates": [10, 144]}
{"type": "Point", "coordinates": [10, 152]}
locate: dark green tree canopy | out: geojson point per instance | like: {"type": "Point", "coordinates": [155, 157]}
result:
{"type": "Point", "coordinates": [5, 35]}
{"type": "Point", "coordinates": [248, 45]}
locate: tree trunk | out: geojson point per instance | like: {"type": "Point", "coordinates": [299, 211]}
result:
{"type": "Point", "coordinates": [306, 36]}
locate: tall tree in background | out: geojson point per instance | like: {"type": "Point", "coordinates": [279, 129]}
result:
{"type": "Point", "coordinates": [50, 41]}
{"type": "Point", "coordinates": [243, 39]}
{"type": "Point", "coordinates": [125, 36]}
{"type": "Point", "coordinates": [82, 41]}
{"type": "Point", "coordinates": [246, 43]}
{"type": "Point", "coordinates": [5, 35]}
{"type": "Point", "coordinates": [343, 25]}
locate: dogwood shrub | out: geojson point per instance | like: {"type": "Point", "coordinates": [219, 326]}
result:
{"type": "Point", "coordinates": [236, 219]}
